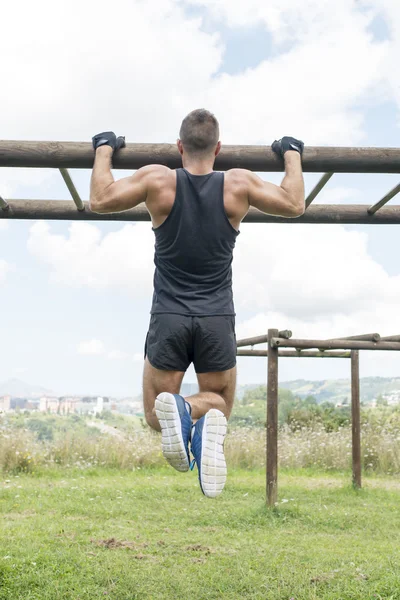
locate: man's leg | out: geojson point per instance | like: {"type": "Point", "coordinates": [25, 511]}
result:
{"type": "Point", "coordinates": [156, 381]}
{"type": "Point", "coordinates": [216, 390]}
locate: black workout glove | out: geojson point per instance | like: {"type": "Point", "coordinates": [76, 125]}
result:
{"type": "Point", "coordinates": [108, 138]}
{"type": "Point", "coordinates": [287, 143]}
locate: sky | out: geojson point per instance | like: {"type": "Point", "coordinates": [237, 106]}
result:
{"type": "Point", "coordinates": [75, 297]}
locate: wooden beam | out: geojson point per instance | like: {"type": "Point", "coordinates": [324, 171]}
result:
{"type": "Point", "coordinates": [3, 205]}
{"type": "Point", "coordinates": [339, 344]}
{"type": "Point", "coordinates": [320, 185]}
{"type": "Point", "coordinates": [366, 337]}
{"type": "Point", "coordinates": [72, 189]}
{"type": "Point", "coordinates": [262, 339]}
{"type": "Point", "coordinates": [373, 209]}
{"type": "Point", "coordinates": [355, 418]}
{"type": "Point", "coordinates": [272, 421]}
{"type": "Point", "coordinates": [294, 354]}
{"type": "Point", "coordinates": [61, 210]}
{"type": "Point", "coordinates": [79, 155]}
{"type": "Point", "coordinates": [252, 341]}
{"type": "Point", "coordinates": [391, 338]}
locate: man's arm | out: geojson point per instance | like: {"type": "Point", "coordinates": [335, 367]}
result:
{"type": "Point", "coordinates": [286, 200]}
{"type": "Point", "coordinates": [108, 195]}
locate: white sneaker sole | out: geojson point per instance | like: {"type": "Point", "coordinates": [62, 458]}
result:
{"type": "Point", "coordinates": [173, 447]}
{"type": "Point", "coordinates": [213, 465]}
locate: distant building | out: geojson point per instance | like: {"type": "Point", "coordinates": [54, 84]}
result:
{"type": "Point", "coordinates": [61, 406]}
{"type": "Point", "coordinates": [5, 403]}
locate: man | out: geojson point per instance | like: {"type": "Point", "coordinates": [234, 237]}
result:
{"type": "Point", "coordinates": [196, 213]}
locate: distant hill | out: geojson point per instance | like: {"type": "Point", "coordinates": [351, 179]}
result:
{"type": "Point", "coordinates": [338, 390]}
{"type": "Point", "coordinates": [21, 389]}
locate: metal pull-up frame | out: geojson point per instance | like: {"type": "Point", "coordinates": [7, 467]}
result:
{"type": "Point", "coordinates": [80, 155]}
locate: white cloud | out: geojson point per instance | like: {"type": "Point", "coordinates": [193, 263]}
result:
{"type": "Point", "coordinates": [91, 347]}
{"type": "Point", "coordinates": [98, 348]}
{"type": "Point", "coordinates": [308, 271]}
{"type": "Point", "coordinates": [5, 267]}
{"type": "Point", "coordinates": [118, 355]}
{"type": "Point", "coordinates": [4, 270]}
{"type": "Point", "coordinates": [305, 273]}
{"type": "Point", "coordinates": [121, 259]}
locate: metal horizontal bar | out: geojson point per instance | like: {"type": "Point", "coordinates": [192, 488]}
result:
{"type": "Point", "coordinates": [365, 337]}
{"type": "Point", "coordinates": [3, 204]}
{"type": "Point", "coordinates": [373, 209]}
{"type": "Point", "coordinates": [320, 185]}
{"type": "Point", "coordinates": [79, 155]}
{"type": "Point", "coordinates": [59, 210]}
{"type": "Point", "coordinates": [334, 344]}
{"type": "Point", "coordinates": [72, 189]}
{"type": "Point", "coordinates": [294, 354]}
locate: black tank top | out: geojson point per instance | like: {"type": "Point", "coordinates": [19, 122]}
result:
{"type": "Point", "coordinates": [194, 250]}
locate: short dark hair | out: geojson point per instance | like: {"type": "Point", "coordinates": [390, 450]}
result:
{"type": "Point", "coordinates": [199, 132]}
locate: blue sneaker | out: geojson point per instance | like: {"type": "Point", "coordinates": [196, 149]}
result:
{"type": "Point", "coordinates": [207, 447]}
{"type": "Point", "coordinates": [173, 413]}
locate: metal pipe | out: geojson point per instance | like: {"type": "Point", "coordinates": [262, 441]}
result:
{"type": "Point", "coordinates": [61, 210]}
{"type": "Point", "coordinates": [72, 189]}
{"type": "Point", "coordinates": [373, 209]}
{"type": "Point", "coordinates": [320, 185]}
{"type": "Point", "coordinates": [79, 155]}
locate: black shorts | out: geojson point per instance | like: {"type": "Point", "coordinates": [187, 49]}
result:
{"type": "Point", "coordinates": [175, 341]}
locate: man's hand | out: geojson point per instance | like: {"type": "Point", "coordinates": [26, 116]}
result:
{"type": "Point", "coordinates": [108, 138]}
{"type": "Point", "coordinates": [287, 143]}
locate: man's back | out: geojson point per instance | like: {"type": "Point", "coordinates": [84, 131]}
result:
{"type": "Point", "coordinates": [193, 251]}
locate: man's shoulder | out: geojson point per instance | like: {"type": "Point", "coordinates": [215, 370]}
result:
{"type": "Point", "coordinates": [238, 179]}
{"type": "Point", "coordinates": [158, 175]}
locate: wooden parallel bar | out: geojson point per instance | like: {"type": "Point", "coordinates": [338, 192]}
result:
{"type": "Point", "coordinates": [286, 333]}
{"type": "Point", "coordinates": [366, 337]}
{"type": "Point", "coordinates": [72, 189]}
{"type": "Point", "coordinates": [3, 204]}
{"type": "Point", "coordinates": [61, 210]}
{"type": "Point", "coordinates": [339, 344]}
{"type": "Point", "coordinates": [316, 190]}
{"type": "Point", "coordinates": [355, 418]}
{"type": "Point", "coordinates": [253, 341]}
{"type": "Point", "coordinates": [79, 155]}
{"type": "Point", "coordinates": [391, 338]}
{"type": "Point", "coordinates": [272, 421]}
{"type": "Point", "coordinates": [294, 354]}
{"type": "Point", "coordinates": [373, 209]}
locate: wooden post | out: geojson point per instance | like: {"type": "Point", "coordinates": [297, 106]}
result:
{"type": "Point", "coordinates": [272, 421]}
{"type": "Point", "coordinates": [355, 417]}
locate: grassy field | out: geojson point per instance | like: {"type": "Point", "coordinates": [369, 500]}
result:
{"type": "Point", "coordinates": [86, 535]}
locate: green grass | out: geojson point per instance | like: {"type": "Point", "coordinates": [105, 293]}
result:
{"type": "Point", "coordinates": [326, 542]}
